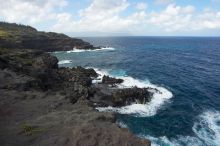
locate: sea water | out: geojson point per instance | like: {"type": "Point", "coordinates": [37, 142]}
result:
{"type": "Point", "coordinates": [186, 70]}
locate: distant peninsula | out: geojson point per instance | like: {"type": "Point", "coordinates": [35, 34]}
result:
{"type": "Point", "coordinates": [13, 35]}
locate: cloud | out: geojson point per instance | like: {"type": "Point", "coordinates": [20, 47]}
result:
{"type": "Point", "coordinates": [141, 6]}
{"type": "Point", "coordinates": [101, 16]}
{"type": "Point", "coordinates": [176, 18]}
{"type": "Point", "coordinates": [172, 18]}
{"type": "Point", "coordinates": [209, 19]}
{"type": "Point", "coordinates": [30, 12]}
{"type": "Point", "coordinates": [163, 2]}
{"type": "Point", "coordinates": [108, 16]}
{"type": "Point", "coordinates": [104, 8]}
{"type": "Point", "coordinates": [105, 16]}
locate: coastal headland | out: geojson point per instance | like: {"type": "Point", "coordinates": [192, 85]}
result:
{"type": "Point", "coordinates": [44, 104]}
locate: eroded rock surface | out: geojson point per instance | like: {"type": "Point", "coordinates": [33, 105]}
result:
{"type": "Point", "coordinates": [42, 104]}
{"type": "Point", "coordinates": [110, 80]}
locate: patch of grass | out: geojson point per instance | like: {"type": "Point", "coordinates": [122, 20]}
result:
{"type": "Point", "coordinates": [3, 33]}
{"type": "Point", "coordinates": [30, 130]}
{"type": "Point", "coordinates": [16, 55]}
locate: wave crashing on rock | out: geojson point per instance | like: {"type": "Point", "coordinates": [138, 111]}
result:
{"type": "Point", "coordinates": [75, 50]}
{"type": "Point", "coordinates": [160, 96]}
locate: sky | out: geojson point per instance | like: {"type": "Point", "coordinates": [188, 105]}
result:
{"type": "Point", "coordinates": [116, 17]}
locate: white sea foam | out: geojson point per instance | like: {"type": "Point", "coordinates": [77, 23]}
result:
{"type": "Point", "coordinates": [164, 141]}
{"type": "Point", "coordinates": [75, 50]}
{"type": "Point", "coordinates": [206, 130]}
{"type": "Point", "coordinates": [100, 73]}
{"type": "Point", "coordinates": [179, 141]}
{"type": "Point", "coordinates": [121, 124]}
{"type": "Point", "coordinates": [142, 110]}
{"type": "Point", "coordinates": [65, 61]}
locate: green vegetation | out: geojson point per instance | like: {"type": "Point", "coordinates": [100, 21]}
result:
{"type": "Point", "coordinates": [3, 33]}
{"type": "Point", "coordinates": [14, 33]}
{"type": "Point", "coordinates": [21, 37]}
{"type": "Point", "coordinates": [29, 130]}
{"type": "Point", "coordinates": [19, 32]}
{"type": "Point", "coordinates": [15, 56]}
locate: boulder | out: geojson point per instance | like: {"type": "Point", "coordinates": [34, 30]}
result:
{"type": "Point", "coordinates": [87, 72]}
{"type": "Point", "coordinates": [45, 61]}
{"type": "Point", "coordinates": [128, 96]}
{"type": "Point", "coordinates": [110, 80]}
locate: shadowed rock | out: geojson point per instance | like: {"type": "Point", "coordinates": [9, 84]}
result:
{"type": "Point", "coordinates": [130, 96]}
{"type": "Point", "coordinates": [45, 61]}
{"type": "Point", "coordinates": [110, 80]}
{"type": "Point", "coordinates": [42, 104]}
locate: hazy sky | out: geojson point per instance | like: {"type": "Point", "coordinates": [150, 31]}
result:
{"type": "Point", "coordinates": [117, 17]}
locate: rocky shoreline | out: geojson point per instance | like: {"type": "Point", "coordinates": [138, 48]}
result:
{"type": "Point", "coordinates": [42, 104]}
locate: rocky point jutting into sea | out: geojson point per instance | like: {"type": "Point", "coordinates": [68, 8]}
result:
{"type": "Point", "coordinates": [42, 104]}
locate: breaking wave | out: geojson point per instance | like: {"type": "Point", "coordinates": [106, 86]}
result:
{"type": "Point", "coordinates": [140, 110]}
{"type": "Point", "coordinates": [90, 50]}
{"type": "Point", "coordinates": [65, 61]}
{"type": "Point", "coordinates": [206, 131]}
{"type": "Point", "coordinates": [208, 128]}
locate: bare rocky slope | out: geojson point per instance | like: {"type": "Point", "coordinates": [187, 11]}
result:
{"type": "Point", "coordinates": [44, 105]}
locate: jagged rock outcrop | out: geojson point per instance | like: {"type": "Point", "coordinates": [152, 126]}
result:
{"type": "Point", "coordinates": [106, 96]}
{"type": "Point", "coordinates": [45, 61]}
{"type": "Point", "coordinates": [35, 107]}
{"type": "Point", "coordinates": [130, 96]}
{"type": "Point", "coordinates": [42, 104]}
{"type": "Point", "coordinates": [111, 81]}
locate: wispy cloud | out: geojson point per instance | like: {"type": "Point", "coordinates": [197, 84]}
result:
{"type": "Point", "coordinates": [163, 2]}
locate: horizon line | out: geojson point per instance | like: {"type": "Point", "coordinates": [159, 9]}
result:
{"type": "Point", "coordinates": [147, 36]}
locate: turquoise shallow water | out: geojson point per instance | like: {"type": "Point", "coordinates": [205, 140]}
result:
{"type": "Point", "coordinates": [188, 67]}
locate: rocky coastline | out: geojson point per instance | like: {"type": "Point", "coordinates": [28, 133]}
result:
{"type": "Point", "coordinates": [43, 104]}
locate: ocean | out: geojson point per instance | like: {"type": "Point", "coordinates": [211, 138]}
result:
{"type": "Point", "coordinates": [185, 69]}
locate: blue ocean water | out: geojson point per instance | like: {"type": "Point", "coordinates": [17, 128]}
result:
{"type": "Point", "coordinates": [189, 67]}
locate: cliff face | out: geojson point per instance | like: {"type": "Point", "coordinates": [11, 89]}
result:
{"type": "Point", "coordinates": [21, 36]}
{"type": "Point", "coordinates": [42, 104]}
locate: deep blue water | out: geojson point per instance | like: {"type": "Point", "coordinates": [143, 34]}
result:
{"type": "Point", "coordinates": [189, 67]}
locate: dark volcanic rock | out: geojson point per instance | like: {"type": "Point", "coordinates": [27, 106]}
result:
{"type": "Point", "coordinates": [105, 96]}
{"type": "Point", "coordinates": [110, 80]}
{"type": "Point", "coordinates": [129, 96]}
{"type": "Point", "coordinates": [45, 61]}
{"type": "Point", "coordinates": [34, 108]}
{"type": "Point", "coordinates": [74, 75]}
{"type": "Point", "coordinates": [88, 72]}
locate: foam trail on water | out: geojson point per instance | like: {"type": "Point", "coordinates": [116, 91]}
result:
{"type": "Point", "coordinates": [206, 130]}
{"type": "Point", "coordinates": [142, 110]}
{"type": "Point", "coordinates": [208, 127]}
{"type": "Point", "coordinates": [75, 50]}
{"type": "Point", "coordinates": [65, 61]}
{"type": "Point", "coordinates": [179, 141]}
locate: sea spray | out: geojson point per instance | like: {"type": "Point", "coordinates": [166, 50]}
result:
{"type": "Point", "coordinates": [75, 50]}
{"type": "Point", "coordinates": [64, 62]}
{"type": "Point", "coordinates": [208, 127]}
{"type": "Point", "coordinates": [140, 110]}
{"type": "Point", "coordinates": [206, 131]}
